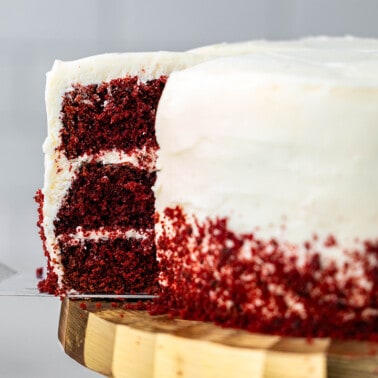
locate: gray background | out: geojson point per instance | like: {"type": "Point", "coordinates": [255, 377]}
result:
{"type": "Point", "coordinates": [32, 35]}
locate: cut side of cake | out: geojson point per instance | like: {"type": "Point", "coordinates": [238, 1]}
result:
{"type": "Point", "coordinates": [97, 204]}
{"type": "Point", "coordinates": [236, 182]}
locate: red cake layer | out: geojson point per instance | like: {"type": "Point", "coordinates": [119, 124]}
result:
{"type": "Point", "coordinates": [205, 277]}
{"type": "Point", "coordinates": [107, 196]}
{"type": "Point", "coordinates": [115, 266]}
{"type": "Point", "coordinates": [119, 114]}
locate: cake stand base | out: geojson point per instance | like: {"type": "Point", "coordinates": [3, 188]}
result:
{"type": "Point", "coordinates": [133, 344]}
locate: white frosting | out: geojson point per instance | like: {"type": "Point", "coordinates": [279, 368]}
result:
{"type": "Point", "coordinates": [95, 235]}
{"type": "Point", "coordinates": [281, 137]}
{"type": "Point", "coordinates": [319, 43]}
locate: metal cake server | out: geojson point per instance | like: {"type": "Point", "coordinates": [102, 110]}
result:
{"type": "Point", "coordinates": [13, 283]}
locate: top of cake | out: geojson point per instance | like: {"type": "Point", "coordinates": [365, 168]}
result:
{"type": "Point", "coordinates": [349, 61]}
{"type": "Point", "coordinates": [319, 43]}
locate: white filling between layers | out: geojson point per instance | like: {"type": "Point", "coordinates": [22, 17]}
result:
{"type": "Point", "coordinates": [82, 235]}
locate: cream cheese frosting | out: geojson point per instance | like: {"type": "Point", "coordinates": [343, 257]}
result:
{"type": "Point", "coordinates": [281, 140]}
{"type": "Point", "coordinates": [319, 43]}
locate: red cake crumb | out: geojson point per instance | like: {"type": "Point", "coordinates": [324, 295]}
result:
{"type": "Point", "coordinates": [330, 241]}
{"type": "Point", "coordinates": [140, 305]}
{"type": "Point", "coordinates": [50, 283]}
{"type": "Point", "coordinates": [39, 273]}
{"type": "Point", "coordinates": [120, 114]}
{"type": "Point", "coordinates": [212, 281]}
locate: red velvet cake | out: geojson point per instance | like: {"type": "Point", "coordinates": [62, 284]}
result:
{"type": "Point", "coordinates": [237, 183]}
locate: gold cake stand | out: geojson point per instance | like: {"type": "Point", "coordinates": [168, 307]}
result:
{"type": "Point", "coordinates": [132, 344]}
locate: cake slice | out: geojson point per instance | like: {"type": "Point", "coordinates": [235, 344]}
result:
{"type": "Point", "coordinates": [97, 204]}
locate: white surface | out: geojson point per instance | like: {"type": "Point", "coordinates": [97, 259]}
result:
{"type": "Point", "coordinates": [35, 33]}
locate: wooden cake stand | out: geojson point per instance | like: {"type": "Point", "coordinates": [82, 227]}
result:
{"type": "Point", "coordinates": [132, 344]}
